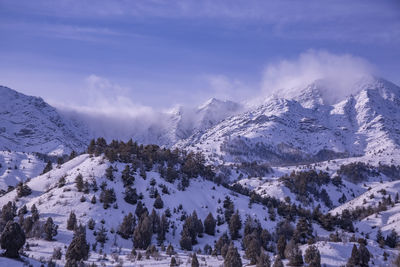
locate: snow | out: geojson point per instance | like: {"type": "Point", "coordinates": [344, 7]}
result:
{"type": "Point", "coordinates": [28, 124]}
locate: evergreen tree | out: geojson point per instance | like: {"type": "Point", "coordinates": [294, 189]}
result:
{"type": "Point", "coordinates": [48, 167]}
{"type": "Point", "coordinates": [72, 155]}
{"type": "Point", "coordinates": [107, 196]}
{"type": "Point", "coordinates": [61, 182]}
{"type": "Point", "coordinates": [8, 212]}
{"type": "Point", "coordinates": [303, 231]}
{"type": "Point", "coordinates": [143, 232]}
{"type": "Point", "coordinates": [278, 262]}
{"type": "Point", "coordinates": [35, 213]}
{"type": "Point", "coordinates": [71, 222]}
{"type": "Point", "coordinates": [263, 260]}
{"type": "Point", "coordinates": [281, 246]}
{"type": "Point", "coordinates": [365, 255]}
{"type": "Point", "coordinates": [127, 226]}
{"type": "Point", "coordinates": [12, 239]}
{"type": "Point", "coordinates": [252, 248]}
{"type": "Point", "coordinates": [50, 229]}
{"type": "Point", "coordinates": [164, 224]}
{"type": "Point", "coordinates": [78, 249]}
{"type": "Point", "coordinates": [232, 258]}
{"type": "Point", "coordinates": [109, 173]}
{"type": "Point", "coordinates": [380, 239]}
{"type": "Point", "coordinates": [173, 262]}
{"type": "Point", "coordinates": [312, 256]}
{"type": "Point", "coordinates": [229, 208]}
{"type": "Point", "coordinates": [91, 224]}
{"type": "Point", "coordinates": [23, 190]}
{"type": "Point", "coordinates": [28, 224]}
{"type": "Point", "coordinates": [101, 236]}
{"type": "Point", "coordinates": [195, 262]}
{"type": "Point", "coordinates": [140, 209]}
{"type": "Point", "coordinates": [354, 259]}
{"type": "Point", "coordinates": [392, 239]}
{"type": "Point", "coordinates": [186, 240]}
{"type": "Point", "coordinates": [131, 196]}
{"type": "Point", "coordinates": [158, 203]}
{"type": "Point", "coordinates": [79, 182]}
{"type": "Point", "coordinates": [127, 178]}
{"type": "Point", "coordinates": [293, 254]}
{"type": "Point", "coordinates": [209, 224]}
{"type": "Point", "coordinates": [235, 224]}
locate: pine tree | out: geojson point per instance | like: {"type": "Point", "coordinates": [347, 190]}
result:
{"type": "Point", "coordinates": [35, 213]}
{"type": "Point", "coordinates": [252, 248]}
{"type": "Point", "coordinates": [71, 222]}
{"type": "Point", "coordinates": [354, 259]}
{"type": "Point", "coordinates": [294, 255]}
{"type": "Point", "coordinates": [127, 178]}
{"type": "Point", "coordinates": [109, 173]}
{"type": "Point", "coordinates": [8, 212]}
{"type": "Point", "coordinates": [50, 229]}
{"type": "Point", "coordinates": [12, 239]}
{"type": "Point", "coordinates": [278, 262]}
{"type": "Point", "coordinates": [173, 262]}
{"type": "Point", "coordinates": [127, 226]}
{"type": "Point", "coordinates": [48, 167]}
{"type": "Point", "coordinates": [209, 224]}
{"type": "Point", "coordinates": [281, 246]}
{"type": "Point", "coordinates": [79, 182]}
{"type": "Point", "coordinates": [380, 239]}
{"type": "Point", "coordinates": [391, 239]}
{"type": "Point", "coordinates": [312, 256]}
{"type": "Point", "coordinates": [235, 224]}
{"type": "Point", "coordinates": [164, 224]}
{"type": "Point", "coordinates": [23, 190]}
{"type": "Point", "coordinates": [91, 224]}
{"type": "Point", "coordinates": [303, 231]}
{"type": "Point", "coordinates": [232, 257]}
{"type": "Point", "coordinates": [101, 236]}
{"type": "Point", "coordinates": [186, 240]}
{"type": "Point", "coordinates": [365, 255]}
{"type": "Point", "coordinates": [143, 232]}
{"type": "Point", "coordinates": [263, 260]}
{"type": "Point", "coordinates": [195, 262]}
{"type": "Point", "coordinates": [72, 155]}
{"type": "Point", "coordinates": [158, 203]}
{"type": "Point", "coordinates": [78, 249]}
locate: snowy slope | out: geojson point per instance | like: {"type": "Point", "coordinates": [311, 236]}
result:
{"type": "Point", "coordinates": [29, 124]}
{"type": "Point", "coordinates": [201, 196]}
{"type": "Point", "coordinates": [18, 167]}
{"type": "Point", "coordinates": [303, 128]}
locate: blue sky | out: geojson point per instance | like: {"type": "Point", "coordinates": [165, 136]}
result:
{"type": "Point", "coordinates": [156, 54]}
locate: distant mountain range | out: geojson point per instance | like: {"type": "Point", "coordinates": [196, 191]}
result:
{"type": "Point", "coordinates": [294, 126]}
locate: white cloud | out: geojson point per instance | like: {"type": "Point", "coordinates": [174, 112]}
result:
{"type": "Point", "coordinates": [110, 112]}
{"type": "Point", "coordinates": [340, 72]}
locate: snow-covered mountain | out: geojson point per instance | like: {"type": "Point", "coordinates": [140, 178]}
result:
{"type": "Point", "coordinates": [181, 122]}
{"type": "Point", "coordinates": [29, 124]}
{"type": "Point", "coordinates": [306, 127]}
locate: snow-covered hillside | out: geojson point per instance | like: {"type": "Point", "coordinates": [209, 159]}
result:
{"type": "Point", "coordinates": [303, 128]}
{"type": "Point", "coordinates": [28, 124]}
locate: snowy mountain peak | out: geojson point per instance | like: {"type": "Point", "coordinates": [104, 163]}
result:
{"type": "Point", "coordinates": [29, 124]}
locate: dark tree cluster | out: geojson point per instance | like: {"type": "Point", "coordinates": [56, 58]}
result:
{"type": "Point", "coordinates": [306, 183]}
{"type": "Point", "coordinates": [172, 164]}
{"type": "Point", "coordinates": [192, 228]}
{"type": "Point", "coordinates": [23, 190]}
{"type": "Point", "coordinates": [107, 197]}
{"type": "Point", "coordinates": [357, 172]}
